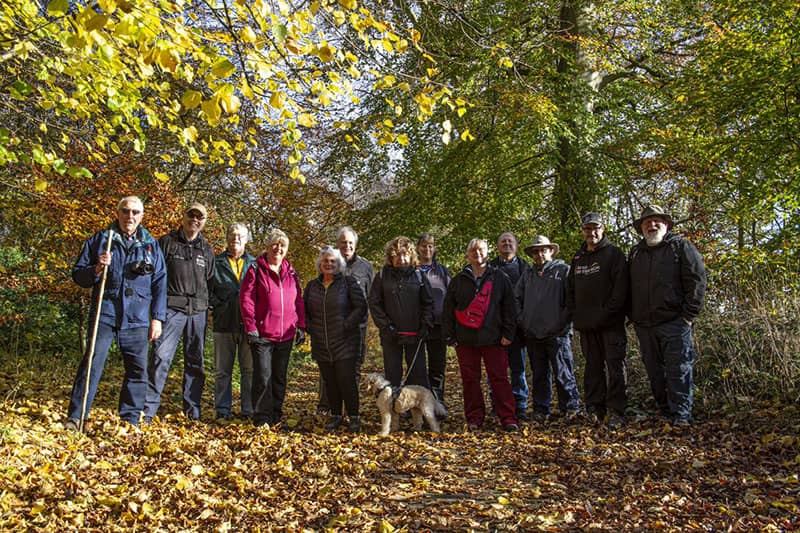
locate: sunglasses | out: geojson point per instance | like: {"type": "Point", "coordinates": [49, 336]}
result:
{"type": "Point", "coordinates": [195, 215]}
{"type": "Point", "coordinates": [126, 211]}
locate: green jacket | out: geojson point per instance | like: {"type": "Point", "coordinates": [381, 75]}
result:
{"type": "Point", "coordinates": [225, 295]}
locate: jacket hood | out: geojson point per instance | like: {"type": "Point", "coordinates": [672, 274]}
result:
{"type": "Point", "coordinates": [141, 234]}
{"type": "Point", "coordinates": [600, 245]}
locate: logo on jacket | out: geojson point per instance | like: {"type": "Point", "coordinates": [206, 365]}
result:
{"type": "Point", "coordinates": [587, 270]}
{"type": "Point", "coordinates": [201, 261]}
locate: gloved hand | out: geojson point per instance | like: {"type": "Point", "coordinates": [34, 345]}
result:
{"type": "Point", "coordinates": [300, 337]}
{"type": "Point", "coordinates": [252, 337]}
{"type": "Point", "coordinates": [392, 332]}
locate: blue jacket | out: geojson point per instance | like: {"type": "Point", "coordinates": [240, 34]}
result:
{"type": "Point", "coordinates": [130, 299]}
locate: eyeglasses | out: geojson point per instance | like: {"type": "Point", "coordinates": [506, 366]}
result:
{"type": "Point", "coordinates": [134, 212]}
{"type": "Point", "coordinates": [195, 215]}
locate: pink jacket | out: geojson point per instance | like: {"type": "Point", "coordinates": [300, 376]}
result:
{"type": "Point", "coordinates": [272, 303]}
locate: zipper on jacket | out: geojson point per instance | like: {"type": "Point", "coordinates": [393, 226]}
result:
{"type": "Point", "coordinates": [280, 289]}
{"type": "Point", "coordinates": [325, 318]}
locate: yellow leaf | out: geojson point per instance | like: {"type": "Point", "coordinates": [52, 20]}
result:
{"type": "Point", "coordinates": [467, 136]}
{"type": "Point", "coordinates": [325, 52]}
{"type": "Point", "coordinates": [461, 111]}
{"type": "Point", "coordinates": [502, 500]}
{"type": "Point", "coordinates": [222, 69]}
{"type": "Point", "coordinates": [182, 483]}
{"type": "Point", "coordinates": [108, 6]}
{"type": "Point", "coordinates": [191, 99]}
{"type": "Point", "coordinates": [96, 22]}
{"type": "Point", "coordinates": [169, 59]}
{"type": "Point", "coordinates": [306, 119]}
{"type": "Point", "coordinates": [403, 139]}
{"type": "Point", "coordinates": [58, 8]}
{"type": "Point", "coordinates": [348, 4]}
{"type": "Point", "coordinates": [385, 527]}
{"type": "Point", "coordinates": [401, 46]}
{"type": "Point", "coordinates": [248, 35]}
{"type": "Point", "coordinates": [40, 185]}
{"type": "Point", "coordinates": [211, 110]}
{"type": "Point", "coordinates": [190, 134]}
{"type": "Point", "coordinates": [230, 103]}
{"type": "Point", "coordinates": [276, 100]}
{"type": "Point", "coordinates": [153, 449]}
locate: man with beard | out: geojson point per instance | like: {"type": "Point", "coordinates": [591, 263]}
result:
{"type": "Point", "coordinates": [668, 280]}
{"type": "Point", "coordinates": [596, 298]}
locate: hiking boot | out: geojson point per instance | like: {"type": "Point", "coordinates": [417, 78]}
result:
{"type": "Point", "coordinates": [615, 421]}
{"type": "Point", "coordinates": [474, 427]}
{"type": "Point", "coordinates": [540, 418]}
{"type": "Point", "coordinates": [354, 424]}
{"type": "Point", "coordinates": [511, 427]}
{"type": "Point", "coordinates": [522, 415]}
{"type": "Point", "coordinates": [333, 423]}
{"type": "Point", "coordinates": [73, 425]}
{"type": "Point", "coordinates": [681, 422]}
{"type": "Point", "coordinates": [571, 415]}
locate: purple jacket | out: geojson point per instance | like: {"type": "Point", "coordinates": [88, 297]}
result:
{"type": "Point", "coordinates": [272, 303]}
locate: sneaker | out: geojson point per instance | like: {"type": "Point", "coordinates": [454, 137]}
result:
{"type": "Point", "coordinates": [570, 415]}
{"type": "Point", "coordinates": [73, 425]}
{"type": "Point", "coordinates": [333, 423]}
{"type": "Point", "coordinates": [511, 427]}
{"type": "Point", "coordinates": [354, 424]}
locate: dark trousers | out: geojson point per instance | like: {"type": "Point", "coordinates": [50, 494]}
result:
{"type": "Point", "coordinates": [436, 350]}
{"type": "Point", "coordinates": [605, 376]}
{"type": "Point", "coordinates": [133, 345]}
{"type": "Point", "coordinates": [552, 356]}
{"type": "Point", "coordinates": [270, 365]}
{"type": "Point", "coordinates": [323, 404]}
{"type": "Point", "coordinates": [668, 354]}
{"type": "Point", "coordinates": [340, 383]}
{"type": "Point", "coordinates": [516, 363]}
{"type": "Point", "coordinates": [393, 355]}
{"type": "Point", "coordinates": [495, 359]}
{"type": "Point", "coordinates": [191, 329]}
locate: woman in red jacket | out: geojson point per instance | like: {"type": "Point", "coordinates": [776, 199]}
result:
{"type": "Point", "coordinates": [271, 302]}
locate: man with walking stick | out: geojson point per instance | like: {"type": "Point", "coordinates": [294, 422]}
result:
{"type": "Point", "coordinates": [125, 268]}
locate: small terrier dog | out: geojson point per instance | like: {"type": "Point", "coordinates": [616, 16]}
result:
{"type": "Point", "coordinates": [391, 403]}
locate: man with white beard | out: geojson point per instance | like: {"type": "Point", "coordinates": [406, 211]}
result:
{"type": "Point", "coordinates": [668, 284]}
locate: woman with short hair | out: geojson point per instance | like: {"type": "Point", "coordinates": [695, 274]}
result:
{"type": "Point", "coordinates": [479, 318]}
{"type": "Point", "coordinates": [271, 302]}
{"type": "Point", "coordinates": [401, 306]}
{"type": "Point", "coordinates": [335, 307]}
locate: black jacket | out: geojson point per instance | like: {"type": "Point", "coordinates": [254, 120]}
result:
{"type": "Point", "coordinates": [500, 320]}
{"type": "Point", "coordinates": [333, 316]}
{"type": "Point", "coordinates": [514, 269]}
{"type": "Point", "coordinates": [597, 287]}
{"type": "Point", "coordinates": [541, 296]}
{"type": "Point", "coordinates": [667, 281]}
{"type": "Point", "coordinates": [400, 301]}
{"type": "Point", "coordinates": [439, 278]}
{"type": "Point", "coordinates": [362, 272]}
{"type": "Point", "coordinates": [190, 271]}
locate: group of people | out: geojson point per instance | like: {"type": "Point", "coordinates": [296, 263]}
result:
{"type": "Point", "coordinates": [494, 313]}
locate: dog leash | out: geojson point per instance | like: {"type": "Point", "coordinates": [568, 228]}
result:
{"type": "Point", "coordinates": [413, 360]}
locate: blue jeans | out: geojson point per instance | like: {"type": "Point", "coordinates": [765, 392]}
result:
{"type": "Point", "coordinates": [270, 366]}
{"type": "Point", "coordinates": [668, 354]}
{"type": "Point", "coordinates": [192, 329]}
{"type": "Point", "coordinates": [132, 344]}
{"type": "Point", "coordinates": [516, 362]}
{"type": "Point", "coordinates": [549, 356]}
{"type": "Point", "coordinates": [226, 348]}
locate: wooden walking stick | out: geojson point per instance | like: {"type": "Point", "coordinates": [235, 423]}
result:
{"type": "Point", "coordinates": [94, 333]}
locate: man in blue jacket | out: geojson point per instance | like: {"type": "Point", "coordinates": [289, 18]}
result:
{"type": "Point", "coordinates": [541, 296]}
{"type": "Point", "coordinates": [132, 310]}
{"type": "Point", "coordinates": [668, 281]}
{"type": "Point", "coordinates": [229, 338]}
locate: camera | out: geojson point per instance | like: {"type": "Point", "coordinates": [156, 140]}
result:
{"type": "Point", "coordinates": [142, 267]}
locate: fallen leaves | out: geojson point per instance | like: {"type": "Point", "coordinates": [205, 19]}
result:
{"type": "Point", "coordinates": [737, 473]}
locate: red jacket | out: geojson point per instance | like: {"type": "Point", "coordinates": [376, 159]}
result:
{"type": "Point", "coordinates": [272, 303]}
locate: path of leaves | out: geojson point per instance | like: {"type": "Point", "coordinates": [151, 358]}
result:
{"type": "Point", "coordinates": [737, 472]}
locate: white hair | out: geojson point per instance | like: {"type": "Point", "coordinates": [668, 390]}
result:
{"type": "Point", "coordinates": [330, 250]}
{"type": "Point", "coordinates": [130, 200]}
{"type": "Point", "coordinates": [348, 229]}
{"type": "Point", "coordinates": [238, 226]}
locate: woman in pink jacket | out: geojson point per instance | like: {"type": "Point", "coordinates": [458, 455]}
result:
{"type": "Point", "coordinates": [271, 301]}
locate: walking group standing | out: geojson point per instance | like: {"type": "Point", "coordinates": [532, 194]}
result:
{"type": "Point", "coordinates": [493, 313]}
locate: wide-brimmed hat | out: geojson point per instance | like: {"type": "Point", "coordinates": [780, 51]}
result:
{"type": "Point", "coordinates": [197, 206]}
{"type": "Point", "coordinates": [652, 211]}
{"type": "Point", "coordinates": [591, 218]}
{"type": "Point", "coordinates": [540, 241]}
